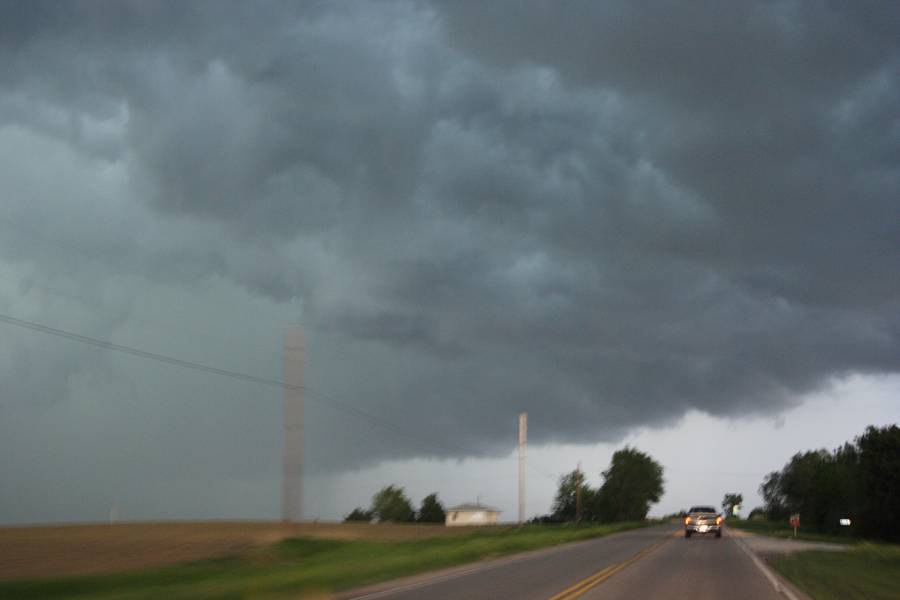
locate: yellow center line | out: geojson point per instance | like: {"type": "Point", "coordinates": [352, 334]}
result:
{"type": "Point", "coordinates": [580, 588]}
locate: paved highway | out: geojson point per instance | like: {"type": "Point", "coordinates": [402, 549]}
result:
{"type": "Point", "coordinates": [655, 562]}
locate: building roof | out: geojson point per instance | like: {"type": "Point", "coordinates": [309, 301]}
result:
{"type": "Point", "coordinates": [474, 506]}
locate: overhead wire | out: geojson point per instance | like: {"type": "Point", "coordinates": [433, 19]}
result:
{"type": "Point", "coordinates": [121, 265]}
{"type": "Point", "coordinates": [92, 304]}
{"type": "Point", "coordinates": [322, 399]}
{"type": "Point", "coordinates": [314, 395]}
{"type": "Point", "coordinates": [540, 471]}
{"type": "Point", "coordinates": [138, 352]}
{"type": "Point", "coordinates": [325, 400]}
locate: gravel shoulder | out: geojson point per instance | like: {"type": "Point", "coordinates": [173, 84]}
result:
{"type": "Point", "coordinates": [768, 546]}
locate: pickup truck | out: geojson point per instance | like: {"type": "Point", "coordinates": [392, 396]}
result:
{"type": "Point", "coordinates": [703, 519]}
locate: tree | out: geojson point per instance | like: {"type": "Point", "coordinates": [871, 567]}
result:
{"type": "Point", "coordinates": [359, 514]}
{"type": "Point", "coordinates": [879, 480]}
{"type": "Point", "coordinates": [730, 501]}
{"type": "Point", "coordinates": [757, 513]}
{"type": "Point", "coordinates": [770, 490]}
{"type": "Point", "coordinates": [631, 484]}
{"type": "Point", "coordinates": [843, 485]}
{"type": "Point", "coordinates": [860, 481]}
{"type": "Point", "coordinates": [431, 511]}
{"type": "Point", "coordinates": [812, 486]}
{"type": "Point", "coordinates": [566, 503]}
{"type": "Point", "coordinates": [391, 504]}
{"type": "Point", "coordinates": [543, 520]}
{"type": "Point", "coordinates": [821, 486]}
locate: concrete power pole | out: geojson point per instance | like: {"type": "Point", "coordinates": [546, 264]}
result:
{"type": "Point", "coordinates": [523, 437]}
{"type": "Point", "coordinates": [578, 495]}
{"type": "Point", "coordinates": [292, 462]}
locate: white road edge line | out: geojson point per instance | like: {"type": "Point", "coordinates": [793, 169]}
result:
{"type": "Point", "coordinates": [773, 579]}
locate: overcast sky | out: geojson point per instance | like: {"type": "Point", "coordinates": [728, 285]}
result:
{"type": "Point", "coordinates": [676, 227]}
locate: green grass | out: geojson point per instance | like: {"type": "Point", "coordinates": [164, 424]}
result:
{"type": "Point", "coordinates": [864, 572]}
{"type": "Point", "coordinates": [784, 530]}
{"type": "Point", "coordinates": [303, 566]}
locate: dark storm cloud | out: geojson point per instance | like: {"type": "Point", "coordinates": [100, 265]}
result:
{"type": "Point", "coordinates": [606, 214]}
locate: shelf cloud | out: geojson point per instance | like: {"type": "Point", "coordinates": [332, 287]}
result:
{"type": "Point", "coordinates": [606, 215]}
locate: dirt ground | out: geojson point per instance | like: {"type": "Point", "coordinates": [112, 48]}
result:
{"type": "Point", "coordinates": [51, 551]}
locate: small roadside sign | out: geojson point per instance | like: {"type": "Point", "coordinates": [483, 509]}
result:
{"type": "Point", "coordinates": [795, 522]}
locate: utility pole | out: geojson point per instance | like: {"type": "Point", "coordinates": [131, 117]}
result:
{"type": "Point", "coordinates": [523, 436]}
{"type": "Point", "coordinates": [292, 477]}
{"type": "Point", "coordinates": [578, 493]}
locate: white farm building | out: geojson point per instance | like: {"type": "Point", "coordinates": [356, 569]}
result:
{"type": "Point", "coordinates": [472, 514]}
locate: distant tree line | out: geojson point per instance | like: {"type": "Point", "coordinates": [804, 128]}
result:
{"type": "Point", "coordinates": [391, 505]}
{"type": "Point", "coordinates": [631, 484]}
{"type": "Point", "coordinates": [859, 481]}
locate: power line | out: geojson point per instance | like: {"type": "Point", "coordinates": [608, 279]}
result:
{"type": "Point", "coordinates": [92, 304]}
{"type": "Point", "coordinates": [326, 401]}
{"type": "Point", "coordinates": [186, 364]}
{"type": "Point", "coordinates": [319, 398]}
{"type": "Point", "coordinates": [141, 353]}
{"type": "Point", "coordinates": [541, 471]}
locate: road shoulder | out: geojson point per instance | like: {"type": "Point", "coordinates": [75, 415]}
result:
{"type": "Point", "coordinates": [765, 545]}
{"type": "Point", "coordinates": [761, 548]}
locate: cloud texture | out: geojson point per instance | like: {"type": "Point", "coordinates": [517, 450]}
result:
{"type": "Point", "coordinates": [604, 214]}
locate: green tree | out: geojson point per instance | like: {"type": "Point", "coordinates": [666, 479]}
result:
{"type": "Point", "coordinates": [843, 485]}
{"type": "Point", "coordinates": [631, 484]}
{"type": "Point", "coordinates": [390, 504]}
{"type": "Point", "coordinates": [730, 501]}
{"type": "Point", "coordinates": [879, 482]}
{"type": "Point", "coordinates": [814, 485]}
{"type": "Point", "coordinates": [859, 480]}
{"type": "Point", "coordinates": [757, 513]}
{"type": "Point", "coordinates": [431, 511]}
{"type": "Point", "coordinates": [797, 483]}
{"type": "Point", "coordinates": [821, 486]}
{"type": "Point", "coordinates": [565, 504]}
{"type": "Point", "coordinates": [776, 503]}
{"type": "Point", "coordinates": [358, 514]}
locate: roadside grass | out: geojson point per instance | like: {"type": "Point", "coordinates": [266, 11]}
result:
{"type": "Point", "coordinates": [864, 572]}
{"type": "Point", "coordinates": [305, 567]}
{"type": "Point", "coordinates": [778, 529]}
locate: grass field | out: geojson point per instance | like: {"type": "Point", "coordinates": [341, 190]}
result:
{"type": "Point", "coordinates": [307, 566]}
{"type": "Point", "coordinates": [864, 572]}
{"type": "Point", "coordinates": [784, 530]}
{"type": "Point", "coordinates": [30, 552]}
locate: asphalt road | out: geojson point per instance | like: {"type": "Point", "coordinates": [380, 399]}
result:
{"type": "Point", "coordinates": [655, 562]}
{"type": "Point", "coordinates": [700, 568]}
